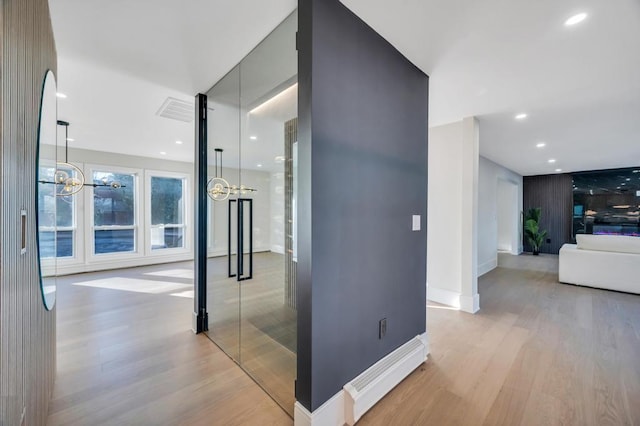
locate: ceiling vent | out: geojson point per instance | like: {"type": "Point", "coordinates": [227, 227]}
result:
{"type": "Point", "coordinates": [177, 110]}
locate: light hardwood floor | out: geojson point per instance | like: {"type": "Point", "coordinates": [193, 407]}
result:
{"type": "Point", "coordinates": [537, 353]}
{"type": "Point", "coordinates": [127, 356]}
{"type": "Point", "coordinates": [250, 321]}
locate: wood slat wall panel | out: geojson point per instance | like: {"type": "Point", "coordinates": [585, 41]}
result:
{"type": "Point", "coordinates": [291, 137]}
{"type": "Point", "coordinates": [27, 330]}
{"type": "Point", "coordinates": [554, 194]}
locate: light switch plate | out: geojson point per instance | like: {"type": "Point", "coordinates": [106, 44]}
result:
{"type": "Point", "coordinates": [415, 226]}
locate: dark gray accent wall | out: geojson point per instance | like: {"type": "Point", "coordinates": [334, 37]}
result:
{"type": "Point", "coordinates": [27, 329]}
{"type": "Point", "coordinates": [362, 175]}
{"type": "Point", "coordinates": [554, 195]}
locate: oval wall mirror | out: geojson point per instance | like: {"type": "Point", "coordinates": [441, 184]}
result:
{"type": "Point", "coordinates": [46, 190]}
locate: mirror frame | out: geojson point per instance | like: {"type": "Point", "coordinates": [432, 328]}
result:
{"type": "Point", "coordinates": [49, 101]}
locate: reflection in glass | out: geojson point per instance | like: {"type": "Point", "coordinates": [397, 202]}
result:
{"type": "Point", "coordinates": [253, 118]}
{"type": "Point", "coordinates": [607, 202]}
{"type": "Point", "coordinates": [58, 209]}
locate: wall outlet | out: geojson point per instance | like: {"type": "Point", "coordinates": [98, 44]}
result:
{"type": "Point", "coordinates": [382, 328]}
{"type": "Point", "coordinates": [415, 222]}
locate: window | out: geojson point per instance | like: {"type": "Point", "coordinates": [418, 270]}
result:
{"type": "Point", "coordinates": [167, 212]}
{"type": "Point", "coordinates": [114, 213]}
{"type": "Point", "coordinates": [55, 214]}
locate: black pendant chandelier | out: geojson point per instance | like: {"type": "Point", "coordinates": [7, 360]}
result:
{"type": "Point", "coordinates": [218, 188]}
{"type": "Point", "coordinates": [69, 176]}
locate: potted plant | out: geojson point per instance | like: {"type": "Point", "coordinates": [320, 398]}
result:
{"type": "Point", "coordinates": [532, 229]}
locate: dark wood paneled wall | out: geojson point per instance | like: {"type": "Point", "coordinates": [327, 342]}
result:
{"type": "Point", "coordinates": [27, 330]}
{"type": "Point", "coordinates": [554, 195]}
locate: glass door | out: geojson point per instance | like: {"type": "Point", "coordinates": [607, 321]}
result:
{"type": "Point", "coordinates": [223, 292]}
{"type": "Point", "coordinates": [252, 125]}
{"type": "Point", "coordinates": [268, 319]}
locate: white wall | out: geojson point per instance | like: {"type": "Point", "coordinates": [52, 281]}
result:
{"type": "Point", "coordinates": [444, 212]}
{"type": "Point", "coordinates": [452, 215]}
{"type": "Point", "coordinates": [507, 204]}
{"type": "Point", "coordinates": [277, 212]}
{"type": "Point", "coordinates": [499, 207]}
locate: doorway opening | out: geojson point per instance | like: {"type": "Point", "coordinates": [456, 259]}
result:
{"type": "Point", "coordinates": [508, 217]}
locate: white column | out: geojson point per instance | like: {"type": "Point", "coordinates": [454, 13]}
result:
{"type": "Point", "coordinates": [469, 298]}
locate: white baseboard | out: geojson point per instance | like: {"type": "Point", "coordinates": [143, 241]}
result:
{"type": "Point", "coordinates": [470, 304]}
{"type": "Point", "coordinates": [194, 322]}
{"type": "Point", "coordinates": [487, 266]}
{"type": "Point", "coordinates": [444, 297]}
{"type": "Point", "coordinates": [101, 265]}
{"type": "Point", "coordinates": [328, 414]}
{"type": "Point", "coordinates": [277, 249]}
{"type": "Point", "coordinates": [333, 412]}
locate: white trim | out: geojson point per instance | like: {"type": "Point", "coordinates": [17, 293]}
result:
{"type": "Point", "coordinates": [106, 265]}
{"type": "Point", "coordinates": [470, 304]}
{"type": "Point", "coordinates": [276, 248]}
{"type": "Point", "coordinates": [194, 322]}
{"type": "Point", "coordinates": [138, 205]}
{"type": "Point", "coordinates": [328, 414]}
{"type": "Point", "coordinates": [186, 213]}
{"type": "Point", "coordinates": [487, 266]}
{"type": "Point", "coordinates": [445, 297]}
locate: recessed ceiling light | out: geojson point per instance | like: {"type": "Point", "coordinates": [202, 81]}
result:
{"type": "Point", "coordinates": [541, 145]}
{"type": "Point", "coordinates": [521, 116]}
{"type": "Point", "coordinates": [552, 160]}
{"type": "Point", "coordinates": [618, 187]}
{"type": "Point", "coordinates": [623, 184]}
{"type": "Point", "coordinates": [253, 138]}
{"type": "Point", "coordinates": [179, 142]}
{"type": "Point", "coordinates": [163, 153]}
{"type": "Point", "coordinates": [628, 179]}
{"type": "Point", "coordinates": [259, 165]}
{"type": "Point", "coordinates": [61, 95]}
{"type": "Point", "coordinates": [558, 170]}
{"type": "Point", "coordinates": [575, 19]}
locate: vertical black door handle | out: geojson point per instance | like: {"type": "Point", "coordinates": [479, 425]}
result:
{"type": "Point", "coordinates": [240, 257]}
{"type": "Point", "coordinates": [229, 241]}
{"type": "Point", "coordinates": [241, 203]}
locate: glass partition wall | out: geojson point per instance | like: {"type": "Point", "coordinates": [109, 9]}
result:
{"type": "Point", "coordinates": [252, 130]}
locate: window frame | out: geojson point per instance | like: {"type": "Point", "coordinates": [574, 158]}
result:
{"type": "Point", "coordinates": [186, 213]}
{"type": "Point", "coordinates": [138, 207]}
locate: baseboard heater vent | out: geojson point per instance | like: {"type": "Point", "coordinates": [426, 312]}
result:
{"type": "Point", "coordinates": [367, 389]}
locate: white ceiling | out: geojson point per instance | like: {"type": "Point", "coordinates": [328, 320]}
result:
{"type": "Point", "coordinates": [580, 86]}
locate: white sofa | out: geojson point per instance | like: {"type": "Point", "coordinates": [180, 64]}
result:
{"type": "Point", "coordinates": [602, 261]}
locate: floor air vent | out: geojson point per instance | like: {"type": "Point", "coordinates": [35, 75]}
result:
{"type": "Point", "coordinates": [364, 391]}
{"type": "Point", "coordinates": [177, 110]}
